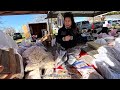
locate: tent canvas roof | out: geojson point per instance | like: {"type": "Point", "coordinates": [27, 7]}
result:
{"type": "Point", "coordinates": [53, 14]}
{"type": "Point", "coordinates": [21, 12]}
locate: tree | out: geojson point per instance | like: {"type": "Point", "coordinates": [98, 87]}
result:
{"type": "Point", "coordinates": [20, 31]}
{"type": "Point", "coordinates": [9, 30]}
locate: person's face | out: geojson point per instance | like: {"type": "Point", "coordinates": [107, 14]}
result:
{"type": "Point", "coordinates": [67, 22]}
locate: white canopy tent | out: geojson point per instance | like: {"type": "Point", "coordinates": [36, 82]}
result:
{"type": "Point", "coordinates": [53, 14]}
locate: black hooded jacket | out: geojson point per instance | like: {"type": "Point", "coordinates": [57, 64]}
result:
{"type": "Point", "coordinates": [62, 32]}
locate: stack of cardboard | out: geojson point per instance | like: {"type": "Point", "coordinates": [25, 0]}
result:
{"type": "Point", "coordinates": [10, 63]}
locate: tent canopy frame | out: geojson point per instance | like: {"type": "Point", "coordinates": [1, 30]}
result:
{"type": "Point", "coordinates": [53, 14]}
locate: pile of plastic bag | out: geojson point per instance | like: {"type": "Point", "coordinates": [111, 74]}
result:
{"type": "Point", "coordinates": [104, 41]}
{"type": "Point", "coordinates": [87, 72]}
{"type": "Point", "coordinates": [69, 56]}
{"type": "Point", "coordinates": [101, 41]}
{"type": "Point", "coordinates": [7, 41]}
{"type": "Point", "coordinates": [113, 32]}
{"type": "Point", "coordinates": [38, 59]}
{"type": "Point", "coordinates": [108, 61]}
{"type": "Point", "coordinates": [25, 44]}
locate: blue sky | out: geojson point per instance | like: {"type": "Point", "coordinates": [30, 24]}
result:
{"type": "Point", "coordinates": [17, 21]}
{"type": "Point", "coordinates": [77, 19]}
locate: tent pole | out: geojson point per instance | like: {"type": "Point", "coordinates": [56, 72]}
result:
{"type": "Point", "coordinates": [93, 19]}
{"type": "Point", "coordinates": [49, 25]}
{"type": "Point", "coordinates": [93, 16]}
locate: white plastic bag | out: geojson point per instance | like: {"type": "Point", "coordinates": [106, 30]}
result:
{"type": "Point", "coordinates": [107, 56]}
{"type": "Point", "coordinates": [53, 42]}
{"type": "Point", "coordinates": [38, 43]}
{"type": "Point", "coordinates": [59, 60]}
{"type": "Point", "coordinates": [117, 44]}
{"type": "Point", "coordinates": [7, 41]}
{"type": "Point", "coordinates": [106, 71]}
{"type": "Point", "coordinates": [35, 74]}
{"type": "Point", "coordinates": [108, 62]}
{"type": "Point", "coordinates": [101, 41]}
{"type": "Point", "coordinates": [109, 39]}
{"type": "Point", "coordinates": [21, 74]}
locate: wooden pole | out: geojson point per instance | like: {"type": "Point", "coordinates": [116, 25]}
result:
{"type": "Point", "coordinates": [49, 25]}
{"type": "Point", "coordinates": [93, 19]}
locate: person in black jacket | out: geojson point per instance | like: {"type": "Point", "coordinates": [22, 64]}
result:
{"type": "Point", "coordinates": [68, 36]}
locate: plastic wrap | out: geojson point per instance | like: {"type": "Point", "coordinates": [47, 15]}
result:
{"type": "Point", "coordinates": [38, 58]}
{"type": "Point", "coordinates": [86, 71]}
{"type": "Point", "coordinates": [47, 63]}
{"type": "Point", "coordinates": [35, 74]}
{"type": "Point", "coordinates": [37, 55]}
{"type": "Point", "coordinates": [90, 73]}
{"type": "Point", "coordinates": [75, 51]}
{"type": "Point", "coordinates": [107, 72]}
{"type": "Point", "coordinates": [59, 60]}
{"type": "Point", "coordinates": [7, 41]}
{"type": "Point", "coordinates": [70, 55]}
{"type": "Point", "coordinates": [109, 39]}
{"type": "Point", "coordinates": [101, 41]}
{"type": "Point", "coordinates": [102, 35]}
{"type": "Point", "coordinates": [24, 45]}
{"type": "Point", "coordinates": [108, 62]}
{"type": "Point", "coordinates": [27, 52]}
{"type": "Point", "coordinates": [27, 44]}
{"type": "Point", "coordinates": [53, 42]}
{"type": "Point", "coordinates": [111, 51]}
{"type": "Point", "coordinates": [21, 74]}
{"type": "Point", "coordinates": [71, 59]}
{"type": "Point", "coordinates": [31, 67]}
{"type": "Point", "coordinates": [108, 56]}
{"type": "Point", "coordinates": [117, 44]}
{"type": "Point", "coordinates": [38, 43]}
{"type": "Point", "coordinates": [113, 32]}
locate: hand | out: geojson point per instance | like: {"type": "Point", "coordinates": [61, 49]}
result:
{"type": "Point", "coordinates": [111, 43]}
{"type": "Point", "coordinates": [67, 38]}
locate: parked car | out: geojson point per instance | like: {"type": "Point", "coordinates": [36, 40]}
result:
{"type": "Point", "coordinates": [118, 21]}
{"type": "Point", "coordinates": [17, 36]}
{"type": "Point", "coordinates": [98, 24]}
{"type": "Point", "coordinates": [83, 25]}
{"type": "Point", "coordinates": [107, 23]}
{"type": "Point", "coordinates": [114, 22]}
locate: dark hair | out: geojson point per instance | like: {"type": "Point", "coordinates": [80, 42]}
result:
{"type": "Point", "coordinates": [89, 30]}
{"type": "Point", "coordinates": [94, 31]}
{"type": "Point", "coordinates": [104, 30]}
{"type": "Point", "coordinates": [70, 15]}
